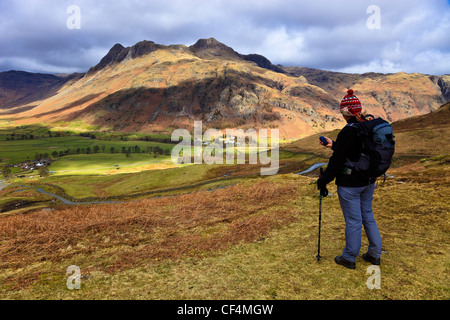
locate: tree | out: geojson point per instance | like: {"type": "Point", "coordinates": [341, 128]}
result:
{"type": "Point", "coordinates": [6, 171]}
{"type": "Point", "coordinates": [43, 171]}
{"type": "Point", "coordinates": [96, 148]}
{"type": "Point", "coordinates": [157, 150]}
{"type": "Point", "coordinates": [112, 150]}
{"type": "Point", "coordinates": [54, 154]}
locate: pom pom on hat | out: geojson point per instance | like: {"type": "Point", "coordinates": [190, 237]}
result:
{"type": "Point", "coordinates": [350, 105]}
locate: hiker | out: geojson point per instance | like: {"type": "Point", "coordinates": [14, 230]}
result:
{"type": "Point", "coordinates": [354, 190]}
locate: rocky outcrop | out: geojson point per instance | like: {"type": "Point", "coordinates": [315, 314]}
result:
{"type": "Point", "coordinates": [119, 53]}
{"type": "Point", "coordinates": [444, 84]}
{"type": "Point", "coordinates": [111, 57]}
{"type": "Point", "coordinates": [262, 62]}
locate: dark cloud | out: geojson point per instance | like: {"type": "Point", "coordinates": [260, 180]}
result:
{"type": "Point", "coordinates": [326, 34]}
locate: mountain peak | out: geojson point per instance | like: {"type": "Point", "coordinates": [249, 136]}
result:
{"type": "Point", "coordinates": [208, 48]}
{"type": "Point", "coordinates": [203, 48]}
{"type": "Point", "coordinates": [110, 57]}
{"type": "Point", "coordinates": [117, 47]}
{"type": "Point", "coordinates": [204, 44]}
{"type": "Point", "coordinates": [144, 47]}
{"type": "Point", "coordinates": [118, 53]}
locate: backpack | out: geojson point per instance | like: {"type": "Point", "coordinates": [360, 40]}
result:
{"type": "Point", "coordinates": [378, 147]}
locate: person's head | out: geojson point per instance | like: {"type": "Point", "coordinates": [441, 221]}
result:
{"type": "Point", "coordinates": [351, 107]}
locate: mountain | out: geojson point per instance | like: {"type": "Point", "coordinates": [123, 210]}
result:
{"type": "Point", "coordinates": [20, 88]}
{"type": "Point", "coordinates": [394, 96]}
{"type": "Point", "coordinates": [150, 87]}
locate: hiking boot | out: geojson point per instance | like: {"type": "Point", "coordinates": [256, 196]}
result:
{"type": "Point", "coordinates": [344, 262]}
{"type": "Point", "coordinates": [372, 260]}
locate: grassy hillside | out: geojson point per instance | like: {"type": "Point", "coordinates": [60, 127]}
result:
{"type": "Point", "coordinates": [255, 240]}
{"type": "Point", "coordinates": [424, 135]}
{"type": "Point", "coordinates": [241, 236]}
{"type": "Point", "coordinates": [419, 136]}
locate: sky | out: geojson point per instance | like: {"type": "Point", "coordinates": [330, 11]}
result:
{"type": "Point", "coordinates": [354, 36]}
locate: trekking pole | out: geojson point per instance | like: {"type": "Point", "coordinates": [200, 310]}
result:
{"type": "Point", "coordinates": [320, 221]}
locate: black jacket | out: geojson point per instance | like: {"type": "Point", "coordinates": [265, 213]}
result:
{"type": "Point", "coordinates": [346, 147]}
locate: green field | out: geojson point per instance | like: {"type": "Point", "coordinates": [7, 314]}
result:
{"type": "Point", "coordinates": [87, 168]}
{"type": "Point", "coordinates": [104, 163]}
{"type": "Point", "coordinates": [96, 185]}
{"type": "Point", "coordinates": [81, 166]}
{"type": "Point", "coordinates": [22, 150]}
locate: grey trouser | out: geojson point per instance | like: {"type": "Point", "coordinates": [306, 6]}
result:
{"type": "Point", "coordinates": [356, 204]}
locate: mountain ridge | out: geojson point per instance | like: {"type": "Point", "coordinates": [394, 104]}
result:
{"type": "Point", "coordinates": [150, 87]}
{"type": "Point", "coordinates": [21, 87]}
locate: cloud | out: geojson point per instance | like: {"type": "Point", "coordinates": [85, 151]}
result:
{"type": "Point", "coordinates": [324, 34]}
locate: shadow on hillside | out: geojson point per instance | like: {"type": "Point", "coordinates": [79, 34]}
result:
{"type": "Point", "coordinates": [67, 107]}
{"type": "Point", "coordinates": [235, 97]}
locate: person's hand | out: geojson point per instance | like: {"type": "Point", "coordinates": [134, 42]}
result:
{"type": "Point", "coordinates": [329, 143]}
{"type": "Point", "coordinates": [322, 187]}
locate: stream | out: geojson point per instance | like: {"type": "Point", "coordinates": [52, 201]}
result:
{"type": "Point", "coordinates": [313, 167]}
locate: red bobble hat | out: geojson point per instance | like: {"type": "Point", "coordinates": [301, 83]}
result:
{"type": "Point", "coordinates": [350, 105]}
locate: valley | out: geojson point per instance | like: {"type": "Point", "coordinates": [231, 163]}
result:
{"type": "Point", "coordinates": [88, 179]}
{"type": "Point", "coordinates": [169, 231]}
